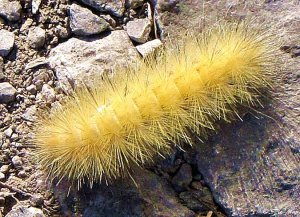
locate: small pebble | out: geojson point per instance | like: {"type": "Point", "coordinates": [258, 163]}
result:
{"type": "Point", "coordinates": [4, 169]}
{"type": "Point", "coordinates": [36, 37]}
{"type": "Point", "coordinates": [17, 161]}
{"type": "Point", "coordinates": [37, 200]}
{"type": "Point", "coordinates": [2, 176]}
{"type": "Point", "coordinates": [22, 174]}
{"type": "Point", "coordinates": [8, 132]}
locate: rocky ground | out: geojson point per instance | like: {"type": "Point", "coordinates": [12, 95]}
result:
{"type": "Point", "coordinates": [47, 47]}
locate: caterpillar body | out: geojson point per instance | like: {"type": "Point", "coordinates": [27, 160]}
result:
{"type": "Point", "coordinates": [101, 133]}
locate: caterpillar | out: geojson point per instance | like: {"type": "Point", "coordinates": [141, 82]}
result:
{"type": "Point", "coordinates": [102, 132]}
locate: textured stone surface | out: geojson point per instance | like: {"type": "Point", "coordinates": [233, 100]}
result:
{"type": "Point", "coordinates": [135, 3]}
{"type": "Point", "coordinates": [7, 92]}
{"type": "Point", "coordinates": [29, 114]}
{"type": "Point", "coordinates": [152, 196]}
{"type": "Point", "coordinates": [166, 5]}
{"type": "Point", "coordinates": [10, 10]}
{"type": "Point", "coordinates": [253, 166]}
{"type": "Point", "coordinates": [183, 177]}
{"type": "Point", "coordinates": [149, 47]}
{"type": "Point", "coordinates": [84, 22]}
{"type": "Point", "coordinates": [139, 30]}
{"type": "Point", "coordinates": [25, 211]}
{"type": "Point", "coordinates": [77, 59]}
{"type": "Point", "coordinates": [114, 7]}
{"type": "Point", "coordinates": [35, 5]}
{"type": "Point", "coordinates": [36, 37]}
{"type": "Point", "coordinates": [7, 40]}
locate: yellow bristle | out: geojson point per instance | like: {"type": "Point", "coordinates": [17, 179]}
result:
{"type": "Point", "coordinates": [101, 134]}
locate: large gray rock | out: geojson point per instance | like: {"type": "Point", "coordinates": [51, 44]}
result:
{"type": "Point", "coordinates": [10, 10]}
{"type": "Point", "coordinates": [139, 30]}
{"type": "Point", "coordinates": [84, 22]}
{"type": "Point", "coordinates": [253, 169]}
{"type": "Point", "coordinates": [82, 58]}
{"type": "Point", "coordinates": [7, 41]}
{"type": "Point", "coordinates": [7, 92]}
{"type": "Point", "coordinates": [114, 7]}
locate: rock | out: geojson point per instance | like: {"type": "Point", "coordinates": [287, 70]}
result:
{"type": "Point", "coordinates": [29, 114]}
{"type": "Point", "coordinates": [62, 32]}
{"type": "Point", "coordinates": [192, 202]}
{"type": "Point", "coordinates": [153, 196]}
{"type": "Point", "coordinates": [170, 164]}
{"type": "Point", "coordinates": [4, 169]}
{"type": "Point", "coordinates": [36, 37]}
{"type": "Point", "coordinates": [37, 200]}
{"type": "Point", "coordinates": [196, 185]}
{"type": "Point", "coordinates": [10, 10]}
{"type": "Point", "coordinates": [40, 78]}
{"type": "Point", "coordinates": [139, 30]}
{"type": "Point", "coordinates": [47, 93]}
{"type": "Point", "coordinates": [183, 178]}
{"type": "Point", "coordinates": [80, 59]}
{"type": "Point", "coordinates": [26, 25]}
{"type": "Point", "coordinates": [113, 7]}
{"type": "Point", "coordinates": [17, 161]}
{"type": "Point", "coordinates": [31, 89]}
{"type": "Point", "coordinates": [7, 41]}
{"type": "Point", "coordinates": [109, 19]}
{"type": "Point", "coordinates": [35, 5]}
{"type": "Point", "coordinates": [255, 171]}
{"type": "Point", "coordinates": [36, 63]}
{"type": "Point", "coordinates": [135, 3]}
{"type": "Point", "coordinates": [149, 47]}
{"type": "Point", "coordinates": [7, 92]}
{"type": "Point", "coordinates": [2, 176]}
{"type": "Point", "coordinates": [166, 5]}
{"type": "Point", "coordinates": [8, 132]}
{"type": "Point", "coordinates": [22, 174]}
{"type": "Point", "coordinates": [84, 22]}
{"type": "Point", "coordinates": [21, 210]}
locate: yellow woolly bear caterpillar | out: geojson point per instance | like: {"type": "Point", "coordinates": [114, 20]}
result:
{"type": "Point", "coordinates": [100, 134]}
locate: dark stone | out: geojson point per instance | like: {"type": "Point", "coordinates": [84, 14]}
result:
{"type": "Point", "coordinates": [254, 169]}
{"type": "Point", "coordinates": [192, 202]}
{"type": "Point", "coordinates": [183, 178]}
{"type": "Point", "coordinates": [151, 196]}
